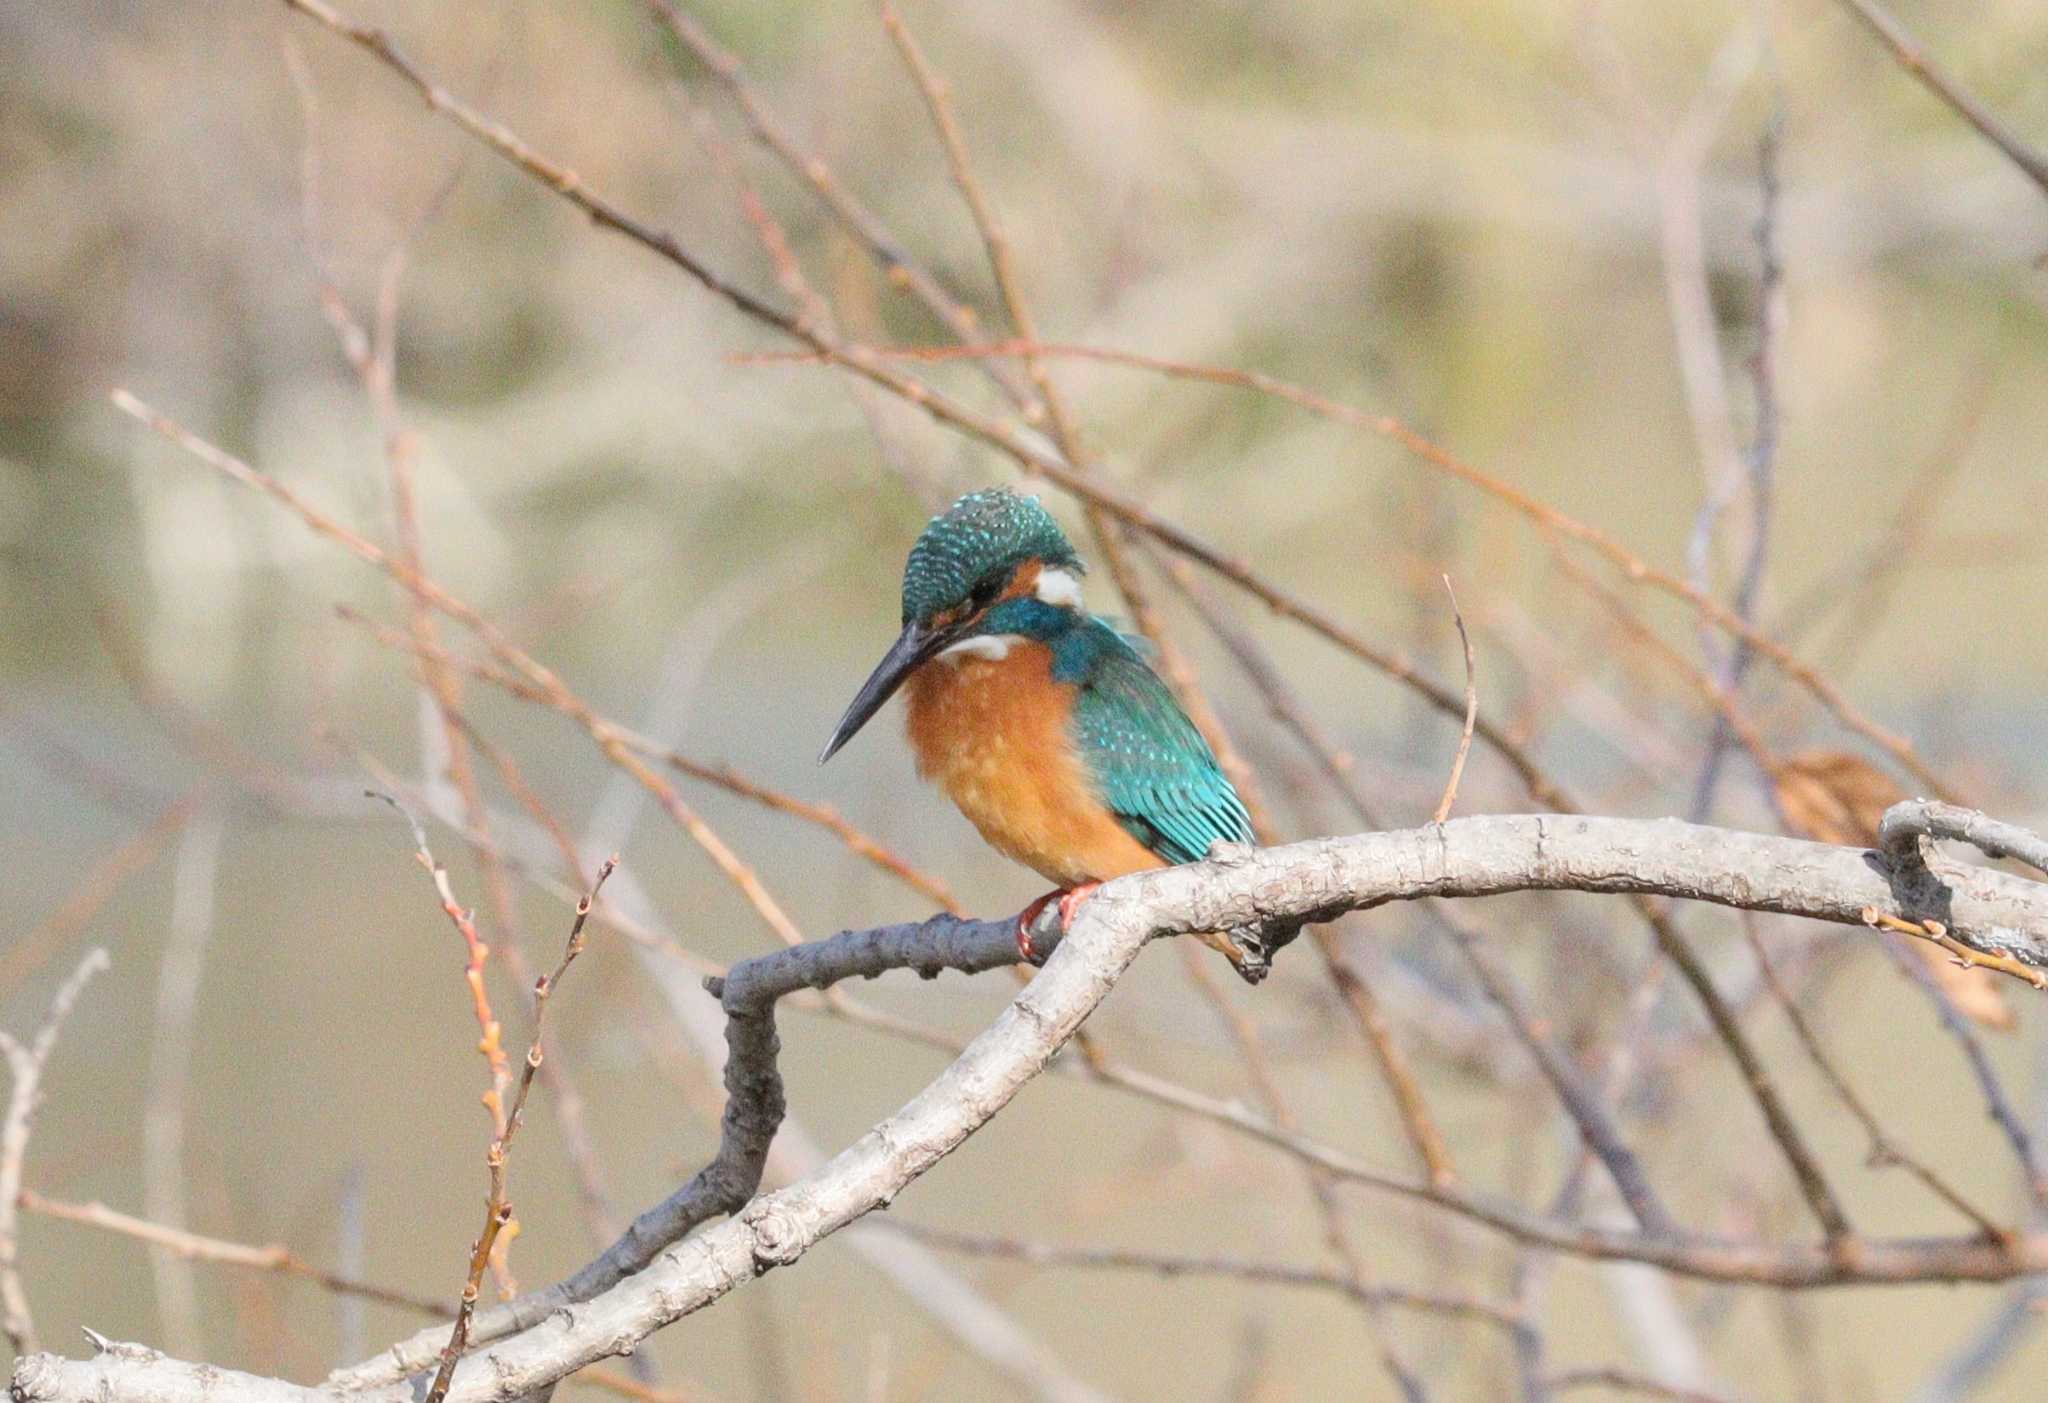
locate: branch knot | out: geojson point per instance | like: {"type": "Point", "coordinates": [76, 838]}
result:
{"type": "Point", "coordinates": [778, 1237]}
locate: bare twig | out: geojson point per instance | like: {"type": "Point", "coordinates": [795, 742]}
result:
{"type": "Point", "coordinates": [163, 1122]}
{"type": "Point", "coordinates": [498, 1208]}
{"type": "Point", "coordinates": [26, 1063]}
{"type": "Point", "coordinates": [898, 265]}
{"type": "Point", "coordinates": [95, 887]}
{"type": "Point", "coordinates": [1626, 1381]}
{"type": "Point", "coordinates": [1171, 1265]}
{"type": "Point", "coordinates": [1760, 457]}
{"type": "Point", "coordinates": [1443, 805]}
{"type": "Point", "coordinates": [196, 1247]}
{"type": "Point", "coordinates": [1932, 930]}
{"type": "Point", "coordinates": [1938, 81]}
{"type": "Point", "coordinates": [1884, 1150]}
{"type": "Point", "coordinates": [490, 1041]}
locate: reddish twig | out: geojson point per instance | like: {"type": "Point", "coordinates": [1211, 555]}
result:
{"type": "Point", "coordinates": [538, 676]}
{"type": "Point", "coordinates": [498, 1219]}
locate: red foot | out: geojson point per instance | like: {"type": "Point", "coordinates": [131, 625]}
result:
{"type": "Point", "coordinates": [1070, 901]}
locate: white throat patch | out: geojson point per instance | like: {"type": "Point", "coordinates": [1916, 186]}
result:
{"type": "Point", "coordinates": [1059, 587]}
{"type": "Point", "coordinates": [992, 646]}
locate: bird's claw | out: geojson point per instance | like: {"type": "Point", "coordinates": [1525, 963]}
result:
{"type": "Point", "coordinates": [1026, 919]}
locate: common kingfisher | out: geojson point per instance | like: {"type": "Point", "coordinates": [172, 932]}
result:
{"type": "Point", "coordinates": [1041, 722]}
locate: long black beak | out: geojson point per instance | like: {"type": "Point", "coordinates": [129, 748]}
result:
{"type": "Point", "coordinates": [916, 646]}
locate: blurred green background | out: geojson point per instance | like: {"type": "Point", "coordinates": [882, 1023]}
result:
{"type": "Point", "coordinates": [1458, 213]}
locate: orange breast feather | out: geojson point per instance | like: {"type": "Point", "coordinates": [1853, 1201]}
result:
{"type": "Point", "coordinates": [992, 732]}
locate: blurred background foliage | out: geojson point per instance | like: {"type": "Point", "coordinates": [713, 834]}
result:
{"type": "Point", "coordinates": [1455, 213]}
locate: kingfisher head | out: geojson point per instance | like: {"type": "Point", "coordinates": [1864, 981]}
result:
{"type": "Point", "coordinates": [991, 566]}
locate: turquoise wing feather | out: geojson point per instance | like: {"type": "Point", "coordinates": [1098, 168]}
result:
{"type": "Point", "coordinates": [1150, 765]}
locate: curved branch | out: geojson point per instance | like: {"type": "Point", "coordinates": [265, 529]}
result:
{"type": "Point", "coordinates": [1904, 825]}
{"type": "Point", "coordinates": [654, 1279]}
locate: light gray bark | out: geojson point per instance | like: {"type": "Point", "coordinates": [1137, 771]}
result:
{"type": "Point", "coordinates": [651, 1278]}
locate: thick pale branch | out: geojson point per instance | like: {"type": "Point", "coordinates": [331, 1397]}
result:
{"type": "Point", "coordinates": [1316, 880]}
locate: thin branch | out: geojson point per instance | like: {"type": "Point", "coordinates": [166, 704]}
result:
{"type": "Point", "coordinates": [490, 1042]}
{"type": "Point", "coordinates": [498, 1207]}
{"type": "Point", "coordinates": [1171, 1265]}
{"type": "Point", "coordinates": [94, 888]}
{"type": "Point", "coordinates": [1759, 460]}
{"type": "Point", "coordinates": [164, 1118]}
{"type": "Point", "coordinates": [1884, 1151]}
{"type": "Point", "coordinates": [1937, 80]}
{"type": "Point", "coordinates": [196, 1247]}
{"type": "Point", "coordinates": [898, 265]}
{"type": "Point", "coordinates": [1625, 1381]}
{"type": "Point", "coordinates": [26, 1063]}
{"type": "Point", "coordinates": [1443, 805]}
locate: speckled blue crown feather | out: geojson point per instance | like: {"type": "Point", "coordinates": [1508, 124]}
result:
{"type": "Point", "coordinates": [979, 539]}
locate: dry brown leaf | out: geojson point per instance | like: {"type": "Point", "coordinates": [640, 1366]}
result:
{"type": "Point", "coordinates": [1832, 796]}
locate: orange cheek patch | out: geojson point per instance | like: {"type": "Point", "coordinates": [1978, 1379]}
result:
{"type": "Point", "coordinates": [1024, 580]}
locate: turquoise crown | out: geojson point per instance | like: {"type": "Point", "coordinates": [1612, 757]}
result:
{"type": "Point", "coordinates": [973, 546]}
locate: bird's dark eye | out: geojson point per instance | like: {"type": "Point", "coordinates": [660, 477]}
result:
{"type": "Point", "coordinates": [985, 594]}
